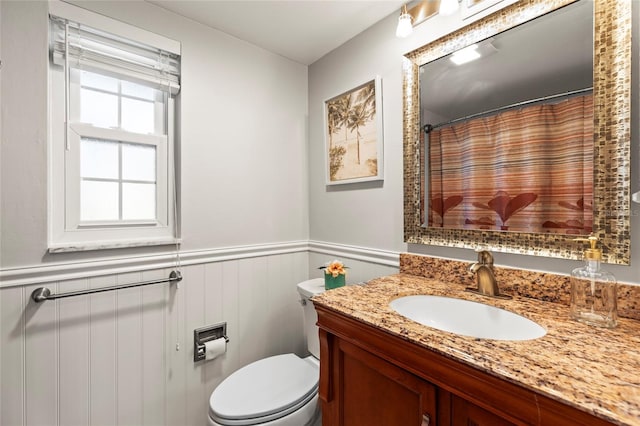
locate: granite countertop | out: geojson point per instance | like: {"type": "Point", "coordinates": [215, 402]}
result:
{"type": "Point", "coordinates": [596, 370]}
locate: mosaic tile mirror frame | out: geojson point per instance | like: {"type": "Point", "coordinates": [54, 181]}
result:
{"type": "Point", "coordinates": [612, 122]}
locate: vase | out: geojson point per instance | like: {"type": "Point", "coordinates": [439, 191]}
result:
{"type": "Point", "coordinates": [333, 282]}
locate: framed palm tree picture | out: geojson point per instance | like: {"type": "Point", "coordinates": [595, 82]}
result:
{"type": "Point", "coordinates": [353, 134]}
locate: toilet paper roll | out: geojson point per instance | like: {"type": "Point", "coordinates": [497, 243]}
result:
{"type": "Point", "coordinates": [215, 348]}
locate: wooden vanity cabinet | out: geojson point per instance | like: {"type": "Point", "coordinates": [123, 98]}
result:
{"type": "Point", "coordinates": [369, 377]}
{"type": "Point", "coordinates": [368, 390]}
{"type": "Point", "coordinates": [464, 413]}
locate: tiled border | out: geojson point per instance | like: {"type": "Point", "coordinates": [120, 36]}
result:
{"type": "Point", "coordinates": [543, 286]}
{"type": "Point", "coordinates": [612, 122]}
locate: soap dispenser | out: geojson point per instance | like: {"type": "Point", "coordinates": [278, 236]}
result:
{"type": "Point", "coordinates": [593, 290]}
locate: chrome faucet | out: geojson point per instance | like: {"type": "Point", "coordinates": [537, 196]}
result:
{"type": "Point", "coordinates": [483, 269]}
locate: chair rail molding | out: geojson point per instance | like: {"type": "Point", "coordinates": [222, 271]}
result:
{"type": "Point", "coordinates": [365, 254]}
{"type": "Point", "coordinates": [61, 271]}
{"type": "Point", "coordinates": [11, 277]}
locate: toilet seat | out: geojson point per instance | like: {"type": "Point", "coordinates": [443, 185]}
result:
{"type": "Point", "coordinates": [264, 390]}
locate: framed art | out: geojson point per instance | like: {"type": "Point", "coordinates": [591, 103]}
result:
{"type": "Point", "coordinates": [353, 134]}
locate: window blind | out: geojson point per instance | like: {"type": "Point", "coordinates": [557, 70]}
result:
{"type": "Point", "coordinates": [90, 48]}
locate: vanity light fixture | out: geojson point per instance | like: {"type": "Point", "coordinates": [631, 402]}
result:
{"type": "Point", "coordinates": [404, 23]}
{"type": "Point", "coordinates": [448, 7]}
{"type": "Point", "coordinates": [465, 55]}
{"type": "Point", "coordinates": [409, 18]}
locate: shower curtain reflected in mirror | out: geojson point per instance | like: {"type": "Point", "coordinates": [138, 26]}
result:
{"type": "Point", "coordinates": [526, 170]}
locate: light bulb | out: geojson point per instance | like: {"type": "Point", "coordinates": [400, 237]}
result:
{"type": "Point", "coordinates": [448, 7]}
{"type": "Point", "coordinates": [404, 26]}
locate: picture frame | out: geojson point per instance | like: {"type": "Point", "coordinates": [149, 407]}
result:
{"type": "Point", "coordinates": [353, 134]}
{"type": "Point", "coordinates": [473, 7]}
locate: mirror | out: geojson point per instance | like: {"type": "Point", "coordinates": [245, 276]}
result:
{"type": "Point", "coordinates": [508, 132]}
{"type": "Point", "coordinates": [611, 56]}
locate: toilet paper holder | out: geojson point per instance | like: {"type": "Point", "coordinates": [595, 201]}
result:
{"type": "Point", "coordinates": [203, 335]}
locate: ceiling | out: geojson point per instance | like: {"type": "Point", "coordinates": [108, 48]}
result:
{"type": "Point", "coordinates": [301, 30]}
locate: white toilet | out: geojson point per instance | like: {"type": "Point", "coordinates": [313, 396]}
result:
{"type": "Point", "coordinates": [281, 390]}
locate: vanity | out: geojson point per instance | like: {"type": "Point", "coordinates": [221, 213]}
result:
{"type": "Point", "coordinates": [380, 368]}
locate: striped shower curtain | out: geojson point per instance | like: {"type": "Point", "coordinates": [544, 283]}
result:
{"type": "Point", "coordinates": [525, 170]}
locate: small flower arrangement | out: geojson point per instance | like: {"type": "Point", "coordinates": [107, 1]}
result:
{"type": "Point", "coordinates": [334, 274]}
{"type": "Point", "coordinates": [334, 268]}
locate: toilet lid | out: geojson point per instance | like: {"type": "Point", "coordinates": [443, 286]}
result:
{"type": "Point", "coordinates": [312, 287]}
{"type": "Point", "coordinates": [267, 389]}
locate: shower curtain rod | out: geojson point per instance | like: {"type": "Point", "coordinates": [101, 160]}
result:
{"type": "Point", "coordinates": [41, 294]}
{"type": "Point", "coordinates": [427, 128]}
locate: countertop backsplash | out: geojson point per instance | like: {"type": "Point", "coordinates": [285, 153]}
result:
{"type": "Point", "coordinates": [543, 286]}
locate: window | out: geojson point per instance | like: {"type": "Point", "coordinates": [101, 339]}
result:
{"type": "Point", "coordinates": [112, 143]}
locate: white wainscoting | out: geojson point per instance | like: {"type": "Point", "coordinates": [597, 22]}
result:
{"type": "Point", "coordinates": [126, 357]}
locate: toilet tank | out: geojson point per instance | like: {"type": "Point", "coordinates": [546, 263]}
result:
{"type": "Point", "coordinates": [307, 290]}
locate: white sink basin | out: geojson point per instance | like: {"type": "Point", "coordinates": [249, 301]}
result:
{"type": "Point", "coordinates": [467, 318]}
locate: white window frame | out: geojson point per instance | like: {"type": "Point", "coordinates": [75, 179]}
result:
{"type": "Point", "coordinates": [66, 231]}
{"type": "Point", "coordinates": [73, 178]}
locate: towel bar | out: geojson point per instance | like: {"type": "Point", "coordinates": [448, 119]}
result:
{"type": "Point", "coordinates": [41, 294]}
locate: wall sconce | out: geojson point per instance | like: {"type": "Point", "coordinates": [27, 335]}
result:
{"type": "Point", "coordinates": [421, 12]}
{"type": "Point", "coordinates": [404, 23]}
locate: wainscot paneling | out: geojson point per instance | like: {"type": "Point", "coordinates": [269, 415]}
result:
{"type": "Point", "coordinates": [126, 357]}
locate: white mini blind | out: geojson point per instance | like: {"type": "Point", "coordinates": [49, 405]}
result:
{"type": "Point", "coordinates": [89, 48]}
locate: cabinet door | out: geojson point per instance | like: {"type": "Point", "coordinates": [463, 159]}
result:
{"type": "Point", "coordinates": [464, 413]}
{"type": "Point", "coordinates": [370, 391]}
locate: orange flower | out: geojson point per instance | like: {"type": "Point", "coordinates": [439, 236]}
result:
{"type": "Point", "coordinates": [334, 268]}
